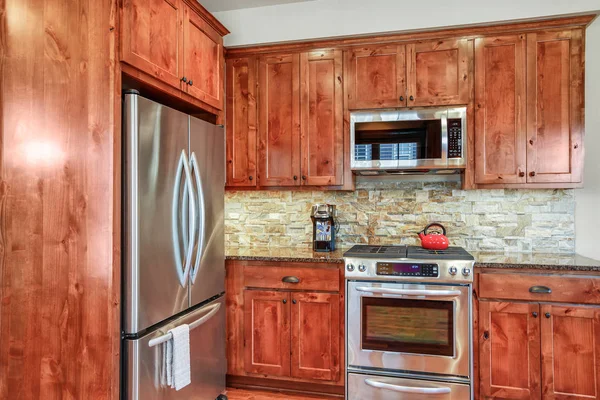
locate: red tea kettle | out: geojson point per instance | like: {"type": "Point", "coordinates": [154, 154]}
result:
{"type": "Point", "coordinates": [434, 241]}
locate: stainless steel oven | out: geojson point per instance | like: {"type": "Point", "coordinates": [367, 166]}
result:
{"type": "Point", "coordinates": [410, 327]}
{"type": "Point", "coordinates": [408, 140]}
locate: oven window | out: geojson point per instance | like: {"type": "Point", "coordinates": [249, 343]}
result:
{"type": "Point", "coordinates": [408, 326]}
{"type": "Point", "coordinates": [398, 140]}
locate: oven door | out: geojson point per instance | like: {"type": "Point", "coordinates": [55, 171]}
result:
{"type": "Point", "coordinates": [410, 327]}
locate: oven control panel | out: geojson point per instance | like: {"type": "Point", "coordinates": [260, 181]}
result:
{"type": "Point", "coordinates": [407, 269]}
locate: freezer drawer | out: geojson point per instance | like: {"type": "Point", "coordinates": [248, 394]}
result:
{"type": "Point", "coordinates": [372, 387]}
{"type": "Point", "coordinates": [143, 364]}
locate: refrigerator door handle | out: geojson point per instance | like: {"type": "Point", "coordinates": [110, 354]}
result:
{"type": "Point", "coordinates": [183, 270]}
{"type": "Point", "coordinates": [202, 217]}
{"type": "Point", "coordinates": [167, 336]}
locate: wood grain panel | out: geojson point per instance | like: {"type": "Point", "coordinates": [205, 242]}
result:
{"type": "Point", "coordinates": [322, 135]}
{"type": "Point", "coordinates": [438, 72]}
{"type": "Point", "coordinates": [566, 289]}
{"type": "Point", "coordinates": [309, 278]}
{"type": "Point", "coordinates": [315, 328]}
{"type": "Point", "coordinates": [243, 394]}
{"type": "Point", "coordinates": [500, 110]}
{"type": "Point", "coordinates": [151, 38]}
{"type": "Point", "coordinates": [570, 352]}
{"type": "Point", "coordinates": [554, 106]}
{"type": "Point", "coordinates": [234, 298]}
{"type": "Point", "coordinates": [202, 60]}
{"type": "Point", "coordinates": [241, 122]}
{"type": "Point", "coordinates": [376, 77]}
{"type": "Point", "coordinates": [59, 252]}
{"type": "Point", "coordinates": [267, 332]}
{"type": "Point", "coordinates": [509, 350]}
{"type": "Point", "coordinates": [279, 120]}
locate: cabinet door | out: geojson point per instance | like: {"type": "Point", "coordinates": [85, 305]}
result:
{"type": "Point", "coordinates": [570, 352]}
{"type": "Point", "coordinates": [555, 106]}
{"type": "Point", "coordinates": [203, 60]}
{"type": "Point", "coordinates": [509, 350]}
{"type": "Point", "coordinates": [438, 72]}
{"type": "Point", "coordinates": [500, 110]}
{"type": "Point", "coordinates": [241, 122]}
{"type": "Point", "coordinates": [267, 332]}
{"type": "Point", "coordinates": [279, 120]}
{"type": "Point", "coordinates": [315, 336]}
{"type": "Point", "coordinates": [322, 118]}
{"type": "Point", "coordinates": [151, 38]}
{"type": "Point", "coordinates": [376, 77]}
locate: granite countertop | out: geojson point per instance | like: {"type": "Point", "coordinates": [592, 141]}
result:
{"type": "Point", "coordinates": [541, 261]}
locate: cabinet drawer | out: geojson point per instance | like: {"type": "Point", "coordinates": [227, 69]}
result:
{"type": "Point", "coordinates": [317, 278]}
{"type": "Point", "coordinates": [564, 289]}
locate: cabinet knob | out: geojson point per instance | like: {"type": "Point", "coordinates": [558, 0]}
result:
{"type": "Point", "coordinates": [521, 174]}
{"type": "Point", "coordinates": [303, 177]}
{"type": "Point", "coordinates": [184, 79]}
{"type": "Point", "coordinates": [284, 301]}
{"type": "Point", "coordinates": [532, 173]}
{"type": "Point", "coordinates": [295, 178]}
{"type": "Point", "coordinates": [250, 177]}
{"type": "Point", "coordinates": [401, 98]}
{"type": "Point", "coordinates": [191, 83]}
{"type": "Point", "coordinates": [535, 314]}
{"type": "Point", "coordinates": [412, 98]}
{"type": "Point", "coordinates": [486, 335]}
{"type": "Point", "coordinates": [294, 301]}
{"type": "Point", "coordinates": [547, 315]}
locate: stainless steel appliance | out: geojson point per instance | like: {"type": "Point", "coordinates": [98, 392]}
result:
{"type": "Point", "coordinates": [173, 253]}
{"type": "Point", "coordinates": [426, 140]}
{"type": "Point", "coordinates": [408, 323]}
{"type": "Point", "coordinates": [324, 226]}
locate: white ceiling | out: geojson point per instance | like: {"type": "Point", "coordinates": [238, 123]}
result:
{"type": "Point", "coordinates": [228, 5]}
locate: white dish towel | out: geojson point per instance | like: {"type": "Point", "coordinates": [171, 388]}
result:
{"type": "Point", "coordinates": [177, 358]}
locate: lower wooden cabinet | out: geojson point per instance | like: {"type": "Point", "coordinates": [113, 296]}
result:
{"type": "Point", "coordinates": [284, 326]}
{"type": "Point", "coordinates": [537, 350]}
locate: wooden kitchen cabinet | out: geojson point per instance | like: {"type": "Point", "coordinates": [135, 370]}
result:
{"type": "Point", "coordinates": [285, 325]}
{"type": "Point", "coordinates": [530, 348]}
{"type": "Point", "coordinates": [529, 109]}
{"type": "Point", "coordinates": [177, 43]}
{"type": "Point", "coordinates": [509, 350]}
{"type": "Point", "coordinates": [242, 74]}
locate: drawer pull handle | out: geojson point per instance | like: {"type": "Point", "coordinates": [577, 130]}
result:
{"type": "Point", "coordinates": [290, 279]}
{"type": "Point", "coordinates": [540, 289]}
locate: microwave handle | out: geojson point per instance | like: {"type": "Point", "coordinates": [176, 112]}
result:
{"type": "Point", "coordinates": [410, 292]}
{"type": "Point", "coordinates": [406, 389]}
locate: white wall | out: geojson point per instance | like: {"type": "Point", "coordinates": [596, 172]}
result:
{"type": "Point", "coordinates": [327, 18]}
{"type": "Point", "coordinates": [587, 209]}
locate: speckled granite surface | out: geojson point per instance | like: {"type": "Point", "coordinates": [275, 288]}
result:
{"type": "Point", "coordinates": [542, 261]}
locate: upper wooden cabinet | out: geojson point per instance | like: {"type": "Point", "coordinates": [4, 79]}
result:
{"type": "Point", "coordinates": [438, 72]}
{"type": "Point", "coordinates": [376, 77]}
{"type": "Point", "coordinates": [241, 121]}
{"type": "Point", "coordinates": [279, 120]}
{"type": "Point", "coordinates": [419, 74]}
{"type": "Point", "coordinates": [178, 43]}
{"type": "Point", "coordinates": [500, 109]}
{"type": "Point", "coordinates": [529, 109]}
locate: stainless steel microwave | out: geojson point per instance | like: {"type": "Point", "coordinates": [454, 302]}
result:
{"type": "Point", "coordinates": [425, 140]}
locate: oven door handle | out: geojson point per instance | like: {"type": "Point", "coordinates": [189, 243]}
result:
{"type": "Point", "coordinates": [406, 389]}
{"type": "Point", "coordinates": [410, 292]}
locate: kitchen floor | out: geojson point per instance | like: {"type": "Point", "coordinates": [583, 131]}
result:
{"type": "Point", "coordinates": [242, 394]}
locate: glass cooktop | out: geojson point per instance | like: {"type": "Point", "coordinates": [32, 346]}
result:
{"type": "Point", "coordinates": [408, 252]}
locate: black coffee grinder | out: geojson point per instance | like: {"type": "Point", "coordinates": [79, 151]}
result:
{"type": "Point", "coordinates": [323, 218]}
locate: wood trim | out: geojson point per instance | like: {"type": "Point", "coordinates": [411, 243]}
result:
{"type": "Point", "coordinates": [207, 16]}
{"type": "Point", "coordinates": [560, 185]}
{"type": "Point", "coordinates": [247, 382]}
{"type": "Point", "coordinates": [234, 298]}
{"type": "Point", "coordinates": [471, 31]}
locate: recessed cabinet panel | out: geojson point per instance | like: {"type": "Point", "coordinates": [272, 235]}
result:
{"type": "Point", "coordinates": [241, 122]}
{"type": "Point", "coordinates": [555, 103]}
{"type": "Point", "coordinates": [500, 123]}
{"type": "Point", "coordinates": [151, 39]}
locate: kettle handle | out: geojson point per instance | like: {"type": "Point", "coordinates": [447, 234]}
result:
{"type": "Point", "coordinates": [435, 224]}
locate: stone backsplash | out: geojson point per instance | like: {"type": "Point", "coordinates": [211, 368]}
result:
{"type": "Point", "coordinates": [380, 212]}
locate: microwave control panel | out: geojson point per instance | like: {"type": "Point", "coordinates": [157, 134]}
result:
{"type": "Point", "coordinates": [454, 138]}
{"type": "Point", "coordinates": [407, 269]}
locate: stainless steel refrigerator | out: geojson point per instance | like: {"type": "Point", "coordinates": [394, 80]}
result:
{"type": "Point", "coordinates": [173, 248]}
